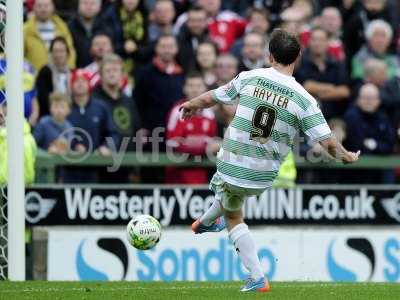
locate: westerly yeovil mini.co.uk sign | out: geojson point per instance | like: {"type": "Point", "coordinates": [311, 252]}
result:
{"type": "Point", "coordinates": [180, 205]}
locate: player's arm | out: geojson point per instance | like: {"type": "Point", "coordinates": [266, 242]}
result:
{"type": "Point", "coordinates": [226, 94]}
{"type": "Point", "coordinates": [336, 150]}
{"type": "Point", "coordinates": [205, 100]}
{"type": "Point", "coordinates": [314, 125]}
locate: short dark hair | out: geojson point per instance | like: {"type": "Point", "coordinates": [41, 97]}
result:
{"type": "Point", "coordinates": [318, 28]}
{"type": "Point", "coordinates": [165, 36]}
{"type": "Point", "coordinates": [196, 8]}
{"type": "Point", "coordinates": [102, 33]}
{"type": "Point", "coordinates": [284, 47]}
{"type": "Point", "coordinates": [59, 39]}
{"type": "Point", "coordinates": [57, 97]}
{"type": "Point", "coordinates": [259, 10]}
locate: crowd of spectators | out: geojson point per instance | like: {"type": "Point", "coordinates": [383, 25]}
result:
{"type": "Point", "coordinates": [116, 68]}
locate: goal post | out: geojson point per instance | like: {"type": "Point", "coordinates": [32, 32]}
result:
{"type": "Point", "coordinates": [15, 122]}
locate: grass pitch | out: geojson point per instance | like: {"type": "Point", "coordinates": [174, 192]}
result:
{"type": "Point", "coordinates": [192, 290]}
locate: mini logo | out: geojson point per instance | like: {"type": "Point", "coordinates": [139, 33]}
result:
{"type": "Point", "coordinates": [37, 208]}
{"type": "Point", "coordinates": [392, 207]}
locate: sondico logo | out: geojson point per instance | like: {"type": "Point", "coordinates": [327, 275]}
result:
{"type": "Point", "coordinates": [37, 208]}
{"type": "Point", "coordinates": [106, 258]}
{"type": "Point", "coordinates": [95, 256]}
{"type": "Point", "coordinates": [351, 259]}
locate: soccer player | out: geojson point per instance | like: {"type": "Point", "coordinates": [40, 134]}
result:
{"type": "Point", "coordinates": [272, 108]}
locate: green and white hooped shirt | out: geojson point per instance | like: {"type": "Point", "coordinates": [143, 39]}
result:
{"type": "Point", "coordinates": [272, 109]}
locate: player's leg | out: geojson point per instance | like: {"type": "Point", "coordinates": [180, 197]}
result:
{"type": "Point", "coordinates": [245, 246]}
{"type": "Point", "coordinates": [212, 213]}
{"type": "Point", "coordinates": [212, 220]}
{"type": "Point", "coordinates": [239, 233]}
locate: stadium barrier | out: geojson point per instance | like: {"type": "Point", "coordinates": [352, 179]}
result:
{"type": "Point", "coordinates": [330, 232]}
{"type": "Point", "coordinates": [46, 164]}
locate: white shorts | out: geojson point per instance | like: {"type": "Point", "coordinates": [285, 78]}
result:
{"type": "Point", "coordinates": [231, 197]}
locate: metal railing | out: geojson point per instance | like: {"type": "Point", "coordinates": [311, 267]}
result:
{"type": "Point", "coordinates": [46, 164]}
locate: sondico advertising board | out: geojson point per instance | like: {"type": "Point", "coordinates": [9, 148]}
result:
{"type": "Point", "coordinates": [324, 254]}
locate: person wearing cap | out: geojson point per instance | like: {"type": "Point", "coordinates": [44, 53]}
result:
{"type": "Point", "coordinates": [90, 115]}
{"type": "Point", "coordinates": [94, 125]}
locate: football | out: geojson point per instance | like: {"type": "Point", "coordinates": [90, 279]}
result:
{"type": "Point", "coordinates": [143, 232]}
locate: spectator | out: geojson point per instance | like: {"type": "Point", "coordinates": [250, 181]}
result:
{"type": "Point", "coordinates": [90, 115]}
{"type": "Point", "coordinates": [296, 19]}
{"type": "Point", "coordinates": [122, 109]}
{"type": "Point", "coordinates": [95, 124]}
{"type": "Point", "coordinates": [40, 30]}
{"type": "Point", "coordinates": [159, 84]}
{"type": "Point", "coordinates": [206, 57]}
{"type": "Point", "coordinates": [347, 8]}
{"type": "Point", "coordinates": [162, 19]}
{"type": "Point", "coordinates": [30, 149]}
{"type": "Point", "coordinates": [390, 95]}
{"type": "Point", "coordinates": [54, 132]}
{"type": "Point", "coordinates": [324, 77]}
{"type": "Point", "coordinates": [83, 27]}
{"type": "Point", "coordinates": [224, 26]}
{"type": "Point", "coordinates": [128, 22]}
{"type": "Point", "coordinates": [55, 76]}
{"type": "Point", "coordinates": [193, 33]}
{"type": "Point", "coordinates": [100, 47]}
{"type": "Point", "coordinates": [274, 6]}
{"type": "Point", "coordinates": [258, 22]}
{"type": "Point", "coordinates": [331, 21]}
{"type": "Point", "coordinates": [31, 106]}
{"type": "Point", "coordinates": [378, 35]}
{"type": "Point", "coordinates": [192, 136]}
{"type": "Point", "coordinates": [124, 113]}
{"type": "Point", "coordinates": [226, 69]}
{"type": "Point", "coordinates": [375, 72]}
{"type": "Point", "coordinates": [253, 52]}
{"type": "Point", "coordinates": [369, 129]}
{"type": "Point", "coordinates": [354, 29]}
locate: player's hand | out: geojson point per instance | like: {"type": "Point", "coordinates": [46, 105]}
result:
{"type": "Point", "coordinates": [351, 157]}
{"type": "Point", "coordinates": [187, 110]}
